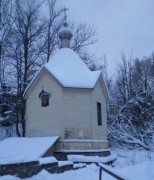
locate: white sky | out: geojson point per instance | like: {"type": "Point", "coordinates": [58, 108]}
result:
{"type": "Point", "coordinates": [122, 25]}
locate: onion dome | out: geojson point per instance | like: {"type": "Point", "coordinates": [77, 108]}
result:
{"type": "Point", "coordinates": [65, 35]}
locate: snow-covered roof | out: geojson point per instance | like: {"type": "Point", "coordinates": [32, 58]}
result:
{"type": "Point", "coordinates": [67, 67]}
{"type": "Point", "coordinates": [69, 70]}
{"type": "Point", "coordinates": [25, 147]}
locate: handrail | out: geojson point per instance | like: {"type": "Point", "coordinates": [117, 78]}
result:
{"type": "Point", "coordinates": [102, 168]}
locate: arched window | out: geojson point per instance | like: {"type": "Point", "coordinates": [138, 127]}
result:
{"type": "Point", "coordinates": [44, 96]}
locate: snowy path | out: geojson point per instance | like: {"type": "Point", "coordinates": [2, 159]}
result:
{"type": "Point", "coordinates": [142, 171]}
{"type": "Point", "coordinates": [135, 165]}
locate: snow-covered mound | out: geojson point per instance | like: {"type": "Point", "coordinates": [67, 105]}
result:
{"type": "Point", "coordinates": [24, 149]}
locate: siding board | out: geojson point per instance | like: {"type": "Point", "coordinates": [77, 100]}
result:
{"type": "Point", "coordinates": [45, 121]}
{"type": "Point", "coordinates": [99, 132]}
{"type": "Point", "coordinates": [71, 114]}
{"type": "Point", "coordinates": [77, 122]}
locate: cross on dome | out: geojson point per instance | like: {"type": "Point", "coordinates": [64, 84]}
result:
{"type": "Point", "coordinates": [65, 15]}
{"type": "Point", "coordinates": [65, 33]}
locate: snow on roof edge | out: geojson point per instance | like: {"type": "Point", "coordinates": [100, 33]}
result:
{"type": "Point", "coordinates": [93, 75]}
{"type": "Point", "coordinates": [32, 81]}
{"type": "Point", "coordinates": [105, 87]}
{"type": "Point", "coordinates": [73, 87]}
{"type": "Point", "coordinates": [43, 67]}
{"type": "Point", "coordinates": [70, 70]}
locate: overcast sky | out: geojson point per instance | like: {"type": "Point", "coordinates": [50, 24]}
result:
{"type": "Point", "coordinates": [122, 25]}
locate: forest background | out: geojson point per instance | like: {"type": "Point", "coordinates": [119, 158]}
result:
{"type": "Point", "coordinates": [29, 38]}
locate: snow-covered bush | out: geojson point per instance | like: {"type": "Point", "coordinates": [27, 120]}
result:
{"type": "Point", "coordinates": [131, 111]}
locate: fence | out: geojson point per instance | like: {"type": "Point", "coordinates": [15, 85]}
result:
{"type": "Point", "coordinates": [103, 168]}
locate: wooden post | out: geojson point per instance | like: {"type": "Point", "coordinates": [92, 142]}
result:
{"type": "Point", "coordinates": [108, 172]}
{"type": "Point", "coordinates": [100, 173]}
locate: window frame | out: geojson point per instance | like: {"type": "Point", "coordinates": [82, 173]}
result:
{"type": "Point", "coordinates": [45, 100]}
{"type": "Point", "coordinates": [99, 114]}
{"type": "Point", "coordinates": [44, 96]}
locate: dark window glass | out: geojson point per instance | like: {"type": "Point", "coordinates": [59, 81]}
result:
{"type": "Point", "coordinates": [45, 100]}
{"type": "Point", "coordinates": [99, 114]}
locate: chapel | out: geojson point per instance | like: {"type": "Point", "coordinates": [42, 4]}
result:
{"type": "Point", "coordinates": [67, 100]}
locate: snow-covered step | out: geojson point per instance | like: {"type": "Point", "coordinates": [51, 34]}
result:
{"type": "Point", "coordinates": [90, 159]}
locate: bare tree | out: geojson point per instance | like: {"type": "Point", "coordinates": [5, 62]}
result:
{"type": "Point", "coordinates": [5, 28]}
{"type": "Point", "coordinates": [26, 49]}
{"type": "Point", "coordinates": [54, 20]}
{"type": "Point", "coordinates": [142, 74]}
{"type": "Point", "coordinates": [83, 36]}
{"type": "Point", "coordinates": [33, 40]}
{"type": "Point", "coordinates": [6, 112]}
{"type": "Point", "coordinates": [131, 119]}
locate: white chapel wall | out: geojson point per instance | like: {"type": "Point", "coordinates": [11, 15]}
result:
{"type": "Point", "coordinates": [99, 132]}
{"type": "Point", "coordinates": [77, 123]}
{"type": "Point", "coordinates": [45, 121]}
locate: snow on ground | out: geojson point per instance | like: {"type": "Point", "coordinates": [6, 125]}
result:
{"type": "Point", "coordinates": [131, 157]}
{"type": "Point", "coordinates": [47, 160]}
{"type": "Point", "coordinates": [8, 177]}
{"type": "Point", "coordinates": [13, 150]}
{"type": "Point", "coordinates": [132, 164]}
{"type": "Point", "coordinates": [64, 163]}
{"type": "Point", "coordinates": [142, 171]}
{"type": "Point", "coordinates": [89, 173]}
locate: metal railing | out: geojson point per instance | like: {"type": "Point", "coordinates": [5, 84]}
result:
{"type": "Point", "coordinates": [103, 168]}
